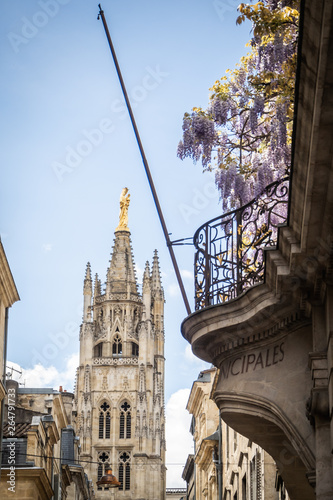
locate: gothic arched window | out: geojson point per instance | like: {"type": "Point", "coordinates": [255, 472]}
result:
{"type": "Point", "coordinates": [124, 474]}
{"type": "Point", "coordinates": [135, 349]}
{"type": "Point", "coordinates": [117, 346]}
{"type": "Point", "coordinates": [98, 350]}
{"type": "Point", "coordinates": [104, 421]}
{"type": "Point", "coordinates": [125, 421]}
{"type": "Point", "coordinates": [103, 465]}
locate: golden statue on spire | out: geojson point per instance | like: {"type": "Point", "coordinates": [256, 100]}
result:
{"type": "Point", "coordinates": [123, 214]}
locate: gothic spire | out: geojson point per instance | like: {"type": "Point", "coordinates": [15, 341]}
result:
{"type": "Point", "coordinates": [146, 292]}
{"type": "Point", "coordinates": [87, 285]}
{"type": "Point", "coordinates": [146, 278]}
{"type": "Point", "coordinates": [87, 293]}
{"type": "Point", "coordinates": [155, 275]}
{"type": "Point", "coordinates": [121, 277]}
{"type": "Point", "coordinates": [97, 287]}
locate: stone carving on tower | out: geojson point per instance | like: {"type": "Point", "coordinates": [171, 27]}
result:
{"type": "Point", "coordinates": [123, 214]}
{"type": "Point", "coordinates": [120, 380]}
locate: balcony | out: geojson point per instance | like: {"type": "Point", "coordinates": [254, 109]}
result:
{"type": "Point", "coordinates": [230, 249]}
{"type": "Point", "coordinates": [250, 322]}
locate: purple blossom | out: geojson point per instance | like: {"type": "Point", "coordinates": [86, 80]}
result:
{"type": "Point", "coordinates": [241, 77]}
{"type": "Point", "coordinates": [247, 127]}
{"type": "Point", "coordinates": [219, 109]}
{"type": "Point", "coordinates": [278, 49]}
{"type": "Point", "coordinates": [253, 120]}
{"type": "Point", "coordinates": [180, 150]}
{"type": "Point", "coordinates": [259, 104]}
{"type": "Point", "coordinates": [197, 152]}
{"type": "Point", "coordinates": [240, 190]}
{"type": "Point", "coordinates": [242, 101]}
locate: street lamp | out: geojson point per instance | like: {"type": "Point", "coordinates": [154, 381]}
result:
{"type": "Point", "coordinates": [109, 480]}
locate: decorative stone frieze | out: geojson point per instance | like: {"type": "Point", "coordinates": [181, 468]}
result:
{"type": "Point", "coordinates": [115, 361]}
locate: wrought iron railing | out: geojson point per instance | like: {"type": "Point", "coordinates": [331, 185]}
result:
{"type": "Point", "coordinates": [230, 256]}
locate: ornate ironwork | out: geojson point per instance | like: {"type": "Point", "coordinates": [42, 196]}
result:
{"type": "Point", "coordinates": [230, 255]}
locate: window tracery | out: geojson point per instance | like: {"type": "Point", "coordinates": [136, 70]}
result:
{"type": "Point", "coordinates": [135, 349]}
{"type": "Point", "coordinates": [125, 421]}
{"type": "Point", "coordinates": [98, 350]}
{"type": "Point", "coordinates": [117, 346]}
{"type": "Point", "coordinates": [104, 421]}
{"type": "Point", "coordinates": [103, 465]}
{"type": "Point", "coordinates": [124, 470]}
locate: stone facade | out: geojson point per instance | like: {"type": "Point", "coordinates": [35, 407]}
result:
{"type": "Point", "coordinates": [189, 477]}
{"type": "Point", "coordinates": [247, 471]}
{"type": "Point", "coordinates": [120, 380]}
{"type": "Point", "coordinates": [273, 344]}
{"type": "Point", "coordinates": [41, 454]}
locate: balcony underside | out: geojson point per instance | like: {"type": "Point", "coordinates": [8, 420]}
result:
{"type": "Point", "coordinates": [261, 421]}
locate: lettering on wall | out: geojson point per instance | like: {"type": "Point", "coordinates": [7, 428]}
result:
{"type": "Point", "coordinates": [253, 361]}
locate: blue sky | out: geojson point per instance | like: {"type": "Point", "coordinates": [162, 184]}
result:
{"type": "Point", "coordinates": [68, 149]}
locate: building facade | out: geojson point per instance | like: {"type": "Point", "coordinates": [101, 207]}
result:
{"type": "Point", "coordinates": [270, 335]}
{"type": "Point", "coordinates": [120, 380]}
{"type": "Point", "coordinates": [189, 477]}
{"type": "Point", "coordinates": [41, 454]}
{"type": "Point", "coordinates": [247, 472]}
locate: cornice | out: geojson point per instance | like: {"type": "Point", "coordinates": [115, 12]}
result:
{"type": "Point", "coordinates": [7, 285]}
{"type": "Point", "coordinates": [36, 475]}
{"type": "Point", "coordinates": [256, 317]}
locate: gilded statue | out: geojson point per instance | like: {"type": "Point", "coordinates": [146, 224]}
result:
{"type": "Point", "coordinates": [123, 214]}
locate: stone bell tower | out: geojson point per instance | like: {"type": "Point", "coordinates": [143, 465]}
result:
{"type": "Point", "coordinates": [120, 380]}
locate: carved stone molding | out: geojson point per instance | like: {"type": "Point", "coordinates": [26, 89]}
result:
{"type": "Point", "coordinates": [318, 404]}
{"type": "Point", "coordinates": [115, 361]}
{"type": "Point", "coordinates": [283, 326]}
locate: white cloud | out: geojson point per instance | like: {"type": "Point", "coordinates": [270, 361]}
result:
{"type": "Point", "coordinates": [139, 273]}
{"type": "Point", "coordinates": [187, 274]}
{"type": "Point", "coordinates": [178, 438]}
{"type": "Point", "coordinates": [173, 290]}
{"type": "Point", "coordinates": [47, 247]}
{"type": "Point", "coordinates": [41, 376]}
{"type": "Point", "coordinates": [191, 358]}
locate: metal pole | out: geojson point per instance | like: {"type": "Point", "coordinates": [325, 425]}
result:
{"type": "Point", "coordinates": [145, 163]}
